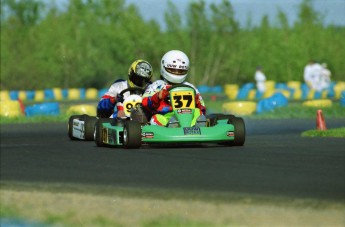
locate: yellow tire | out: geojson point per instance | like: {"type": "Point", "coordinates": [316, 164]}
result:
{"type": "Point", "coordinates": [318, 103]}
{"type": "Point", "coordinates": [91, 93]}
{"type": "Point", "coordinates": [82, 109]}
{"type": "Point", "coordinates": [10, 108]}
{"type": "Point", "coordinates": [239, 108]}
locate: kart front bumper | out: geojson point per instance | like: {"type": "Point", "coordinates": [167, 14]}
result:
{"type": "Point", "coordinates": [159, 134]}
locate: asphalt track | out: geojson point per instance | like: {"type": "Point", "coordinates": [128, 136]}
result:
{"type": "Point", "coordinates": [275, 161]}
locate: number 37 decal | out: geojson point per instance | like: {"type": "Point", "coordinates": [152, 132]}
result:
{"type": "Point", "coordinates": [183, 99]}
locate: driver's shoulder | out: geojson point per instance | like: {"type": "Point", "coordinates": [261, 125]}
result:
{"type": "Point", "coordinates": [189, 84]}
{"type": "Point", "coordinates": [158, 83]}
{"type": "Point", "coordinates": [153, 88]}
{"type": "Point", "coordinates": [119, 86]}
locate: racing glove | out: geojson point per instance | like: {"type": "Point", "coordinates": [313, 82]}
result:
{"type": "Point", "coordinates": [158, 96]}
{"type": "Point", "coordinates": [200, 104]}
{"type": "Point", "coordinates": [119, 98]}
{"type": "Point", "coordinates": [106, 106]}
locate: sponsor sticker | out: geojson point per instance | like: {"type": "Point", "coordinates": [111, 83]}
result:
{"type": "Point", "coordinates": [105, 135]}
{"type": "Point", "coordinates": [230, 133]}
{"type": "Point", "coordinates": [184, 111]}
{"type": "Point", "coordinates": [78, 129]}
{"type": "Point", "coordinates": [192, 131]}
{"type": "Point", "coordinates": [148, 135]}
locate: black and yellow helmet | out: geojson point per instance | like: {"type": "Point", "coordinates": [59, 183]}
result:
{"type": "Point", "coordinates": [139, 74]}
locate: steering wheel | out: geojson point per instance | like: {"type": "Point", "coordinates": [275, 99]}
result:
{"type": "Point", "coordinates": [179, 85]}
{"type": "Point", "coordinates": [130, 89]}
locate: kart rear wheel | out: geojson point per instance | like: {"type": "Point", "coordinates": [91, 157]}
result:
{"type": "Point", "coordinates": [98, 131]}
{"type": "Point", "coordinates": [240, 131]}
{"type": "Point", "coordinates": [70, 126]}
{"type": "Point", "coordinates": [132, 134]}
{"type": "Point", "coordinates": [89, 125]}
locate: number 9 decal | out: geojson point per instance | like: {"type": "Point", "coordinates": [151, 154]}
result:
{"type": "Point", "coordinates": [128, 106]}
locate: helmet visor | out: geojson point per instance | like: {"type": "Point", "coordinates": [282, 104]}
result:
{"type": "Point", "coordinates": [177, 72]}
{"type": "Point", "coordinates": [143, 69]}
{"type": "Point", "coordinates": [139, 80]}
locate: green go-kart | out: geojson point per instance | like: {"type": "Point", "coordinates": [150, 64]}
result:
{"type": "Point", "coordinates": [184, 126]}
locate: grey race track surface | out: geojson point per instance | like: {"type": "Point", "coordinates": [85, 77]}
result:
{"type": "Point", "coordinates": [274, 161]}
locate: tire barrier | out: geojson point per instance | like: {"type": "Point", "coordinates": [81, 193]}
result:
{"type": "Point", "coordinates": [231, 90]}
{"type": "Point", "coordinates": [57, 92]}
{"type": "Point", "coordinates": [294, 90]}
{"type": "Point", "coordinates": [342, 99]}
{"type": "Point", "coordinates": [82, 109]}
{"type": "Point", "coordinates": [269, 104]}
{"type": "Point", "coordinates": [318, 103]}
{"type": "Point", "coordinates": [239, 108]}
{"type": "Point", "coordinates": [270, 84]}
{"type": "Point", "coordinates": [338, 89]}
{"type": "Point", "coordinates": [74, 94]}
{"type": "Point", "coordinates": [244, 91]}
{"type": "Point", "coordinates": [49, 94]}
{"type": "Point", "coordinates": [91, 94]}
{"type": "Point", "coordinates": [208, 89]}
{"type": "Point", "coordinates": [39, 96]}
{"type": "Point", "coordinates": [30, 95]}
{"type": "Point", "coordinates": [14, 95]}
{"type": "Point", "coordinates": [48, 108]}
{"type": "Point", "coordinates": [11, 108]}
{"type": "Point", "coordinates": [4, 95]}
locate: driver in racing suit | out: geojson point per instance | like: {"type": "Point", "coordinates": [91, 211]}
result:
{"type": "Point", "coordinates": [139, 76]}
{"type": "Point", "coordinates": [174, 70]}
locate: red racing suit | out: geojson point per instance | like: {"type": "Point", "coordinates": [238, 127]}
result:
{"type": "Point", "coordinates": [155, 105]}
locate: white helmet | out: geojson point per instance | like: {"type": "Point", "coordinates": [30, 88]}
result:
{"type": "Point", "coordinates": [175, 66]}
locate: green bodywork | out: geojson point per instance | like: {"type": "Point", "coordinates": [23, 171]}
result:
{"type": "Point", "coordinates": [221, 132]}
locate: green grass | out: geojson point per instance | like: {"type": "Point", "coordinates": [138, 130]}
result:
{"type": "Point", "coordinates": [297, 110]}
{"type": "Point", "coordinates": [337, 132]}
{"type": "Point", "coordinates": [82, 205]}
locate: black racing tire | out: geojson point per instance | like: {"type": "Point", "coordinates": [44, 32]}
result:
{"type": "Point", "coordinates": [70, 125]}
{"type": "Point", "coordinates": [240, 131]}
{"type": "Point", "coordinates": [98, 131]}
{"type": "Point", "coordinates": [131, 135]}
{"type": "Point", "coordinates": [89, 125]}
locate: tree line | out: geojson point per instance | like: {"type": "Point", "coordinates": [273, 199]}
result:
{"type": "Point", "coordinates": [92, 43]}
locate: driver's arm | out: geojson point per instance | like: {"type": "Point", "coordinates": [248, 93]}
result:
{"type": "Point", "coordinates": [106, 105]}
{"type": "Point", "coordinates": [152, 102]}
{"type": "Point", "coordinates": [200, 103]}
{"type": "Point", "coordinates": [151, 98]}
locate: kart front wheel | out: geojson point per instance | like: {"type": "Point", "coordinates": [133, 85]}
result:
{"type": "Point", "coordinates": [132, 134]}
{"type": "Point", "coordinates": [240, 131]}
